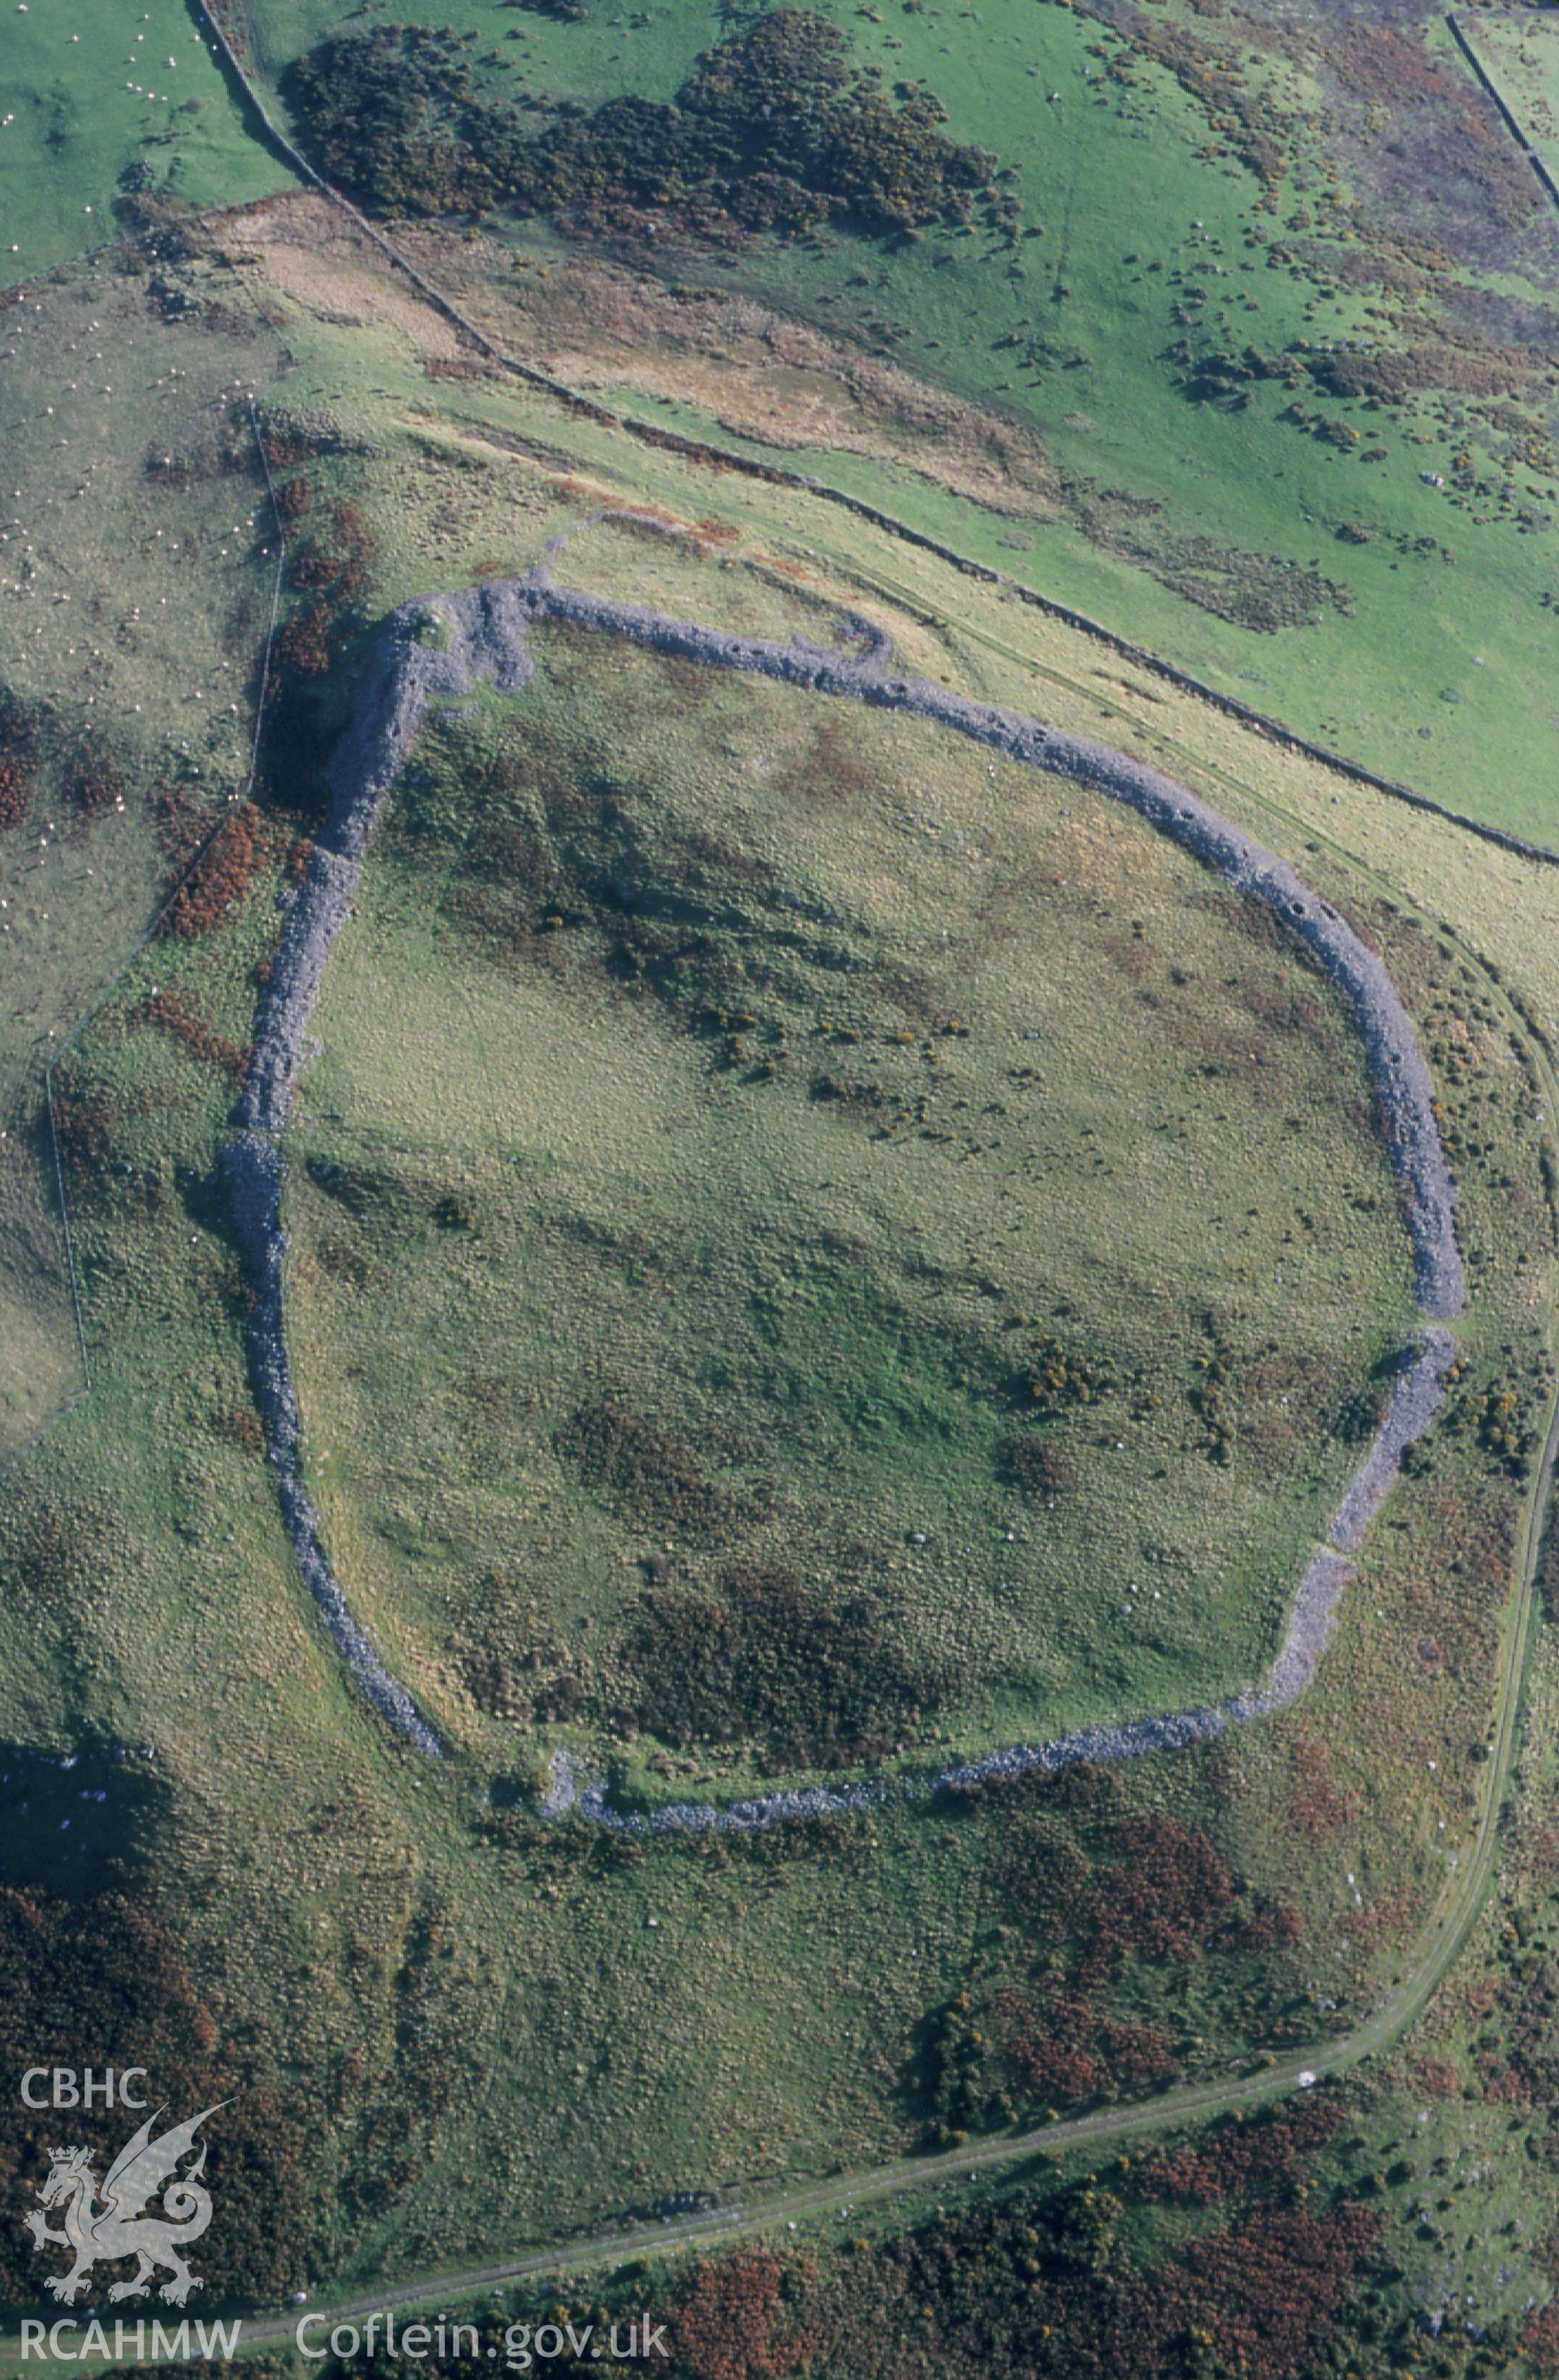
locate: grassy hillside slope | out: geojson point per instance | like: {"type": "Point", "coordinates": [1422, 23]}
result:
{"type": "Point", "coordinates": [1170, 207]}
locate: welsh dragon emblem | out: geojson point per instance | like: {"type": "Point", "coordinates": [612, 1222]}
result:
{"type": "Point", "coordinates": [101, 2226]}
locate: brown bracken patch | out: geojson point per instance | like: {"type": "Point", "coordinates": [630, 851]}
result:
{"type": "Point", "coordinates": [221, 877]}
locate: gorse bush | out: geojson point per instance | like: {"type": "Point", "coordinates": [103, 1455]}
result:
{"type": "Point", "coordinates": [19, 756]}
{"type": "Point", "coordinates": [816, 1674]}
{"type": "Point", "coordinates": [774, 131]}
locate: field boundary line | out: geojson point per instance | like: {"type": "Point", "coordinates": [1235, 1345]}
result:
{"type": "Point", "coordinates": [1513, 123]}
{"type": "Point", "coordinates": [773, 475]}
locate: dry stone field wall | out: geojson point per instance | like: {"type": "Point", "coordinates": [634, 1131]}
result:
{"type": "Point", "coordinates": [446, 646]}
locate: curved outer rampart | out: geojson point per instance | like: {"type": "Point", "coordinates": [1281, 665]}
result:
{"type": "Point", "coordinates": [391, 698]}
{"type": "Point", "coordinates": [444, 646]}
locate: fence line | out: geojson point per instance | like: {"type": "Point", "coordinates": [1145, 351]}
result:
{"type": "Point", "coordinates": [1512, 122]}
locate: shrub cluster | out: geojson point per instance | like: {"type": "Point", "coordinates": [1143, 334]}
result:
{"type": "Point", "coordinates": [1496, 1420]}
{"type": "Point", "coordinates": [16, 789]}
{"type": "Point", "coordinates": [735, 2320]}
{"type": "Point", "coordinates": [1207, 1403]}
{"type": "Point", "coordinates": [19, 756]}
{"type": "Point", "coordinates": [1046, 2285]}
{"type": "Point", "coordinates": [333, 568]}
{"type": "Point", "coordinates": [332, 571]}
{"type": "Point", "coordinates": [1031, 1464]}
{"type": "Point", "coordinates": [819, 1674]}
{"type": "Point", "coordinates": [1065, 2049]}
{"type": "Point", "coordinates": [109, 1972]}
{"type": "Point", "coordinates": [1097, 1895]}
{"type": "Point", "coordinates": [84, 1129]}
{"type": "Point", "coordinates": [1240, 2154]}
{"type": "Point", "coordinates": [774, 131]}
{"type": "Point", "coordinates": [170, 1011]}
{"type": "Point", "coordinates": [1051, 2282]}
{"type": "Point", "coordinates": [651, 1471]}
{"type": "Point", "coordinates": [1059, 1377]}
{"type": "Point", "coordinates": [89, 780]}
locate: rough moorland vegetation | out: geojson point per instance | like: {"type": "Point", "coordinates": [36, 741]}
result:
{"type": "Point", "coordinates": [773, 131]}
{"type": "Point", "coordinates": [1063, 2278]}
{"type": "Point", "coordinates": [107, 1970]}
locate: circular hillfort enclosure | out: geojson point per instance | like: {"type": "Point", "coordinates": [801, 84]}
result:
{"type": "Point", "coordinates": [446, 645]}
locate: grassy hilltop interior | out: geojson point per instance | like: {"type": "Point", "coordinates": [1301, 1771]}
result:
{"type": "Point", "coordinates": [271, 1900]}
{"type": "Point", "coordinates": [796, 1243]}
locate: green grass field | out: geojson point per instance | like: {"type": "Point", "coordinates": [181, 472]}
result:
{"type": "Point", "coordinates": [100, 100]}
{"type": "Point", "coordinates": [786, 2008]}
{"type": "Point", "coordinates": [413, 1951]}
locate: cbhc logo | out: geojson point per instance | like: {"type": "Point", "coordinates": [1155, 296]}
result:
{"type": "Point", "coordinates": [69, 2086]}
